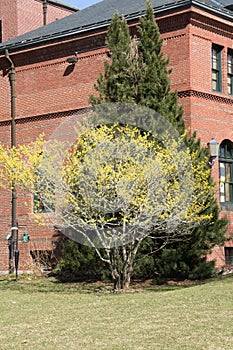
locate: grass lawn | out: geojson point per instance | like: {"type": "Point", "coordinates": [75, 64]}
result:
{"type": "Point", "coordinates": [43, 314]}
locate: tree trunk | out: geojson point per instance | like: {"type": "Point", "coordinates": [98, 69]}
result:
{"type": "Point", "coordinates": [121, 260]}
{"type": "Point", "coordinates": [121, 279]}
{"type": "Point", "coordinates": [121, 282]}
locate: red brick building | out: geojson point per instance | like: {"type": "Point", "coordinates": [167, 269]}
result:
{"type": "Point", "coordinates": [21, 16]}
{"type": "Point", "coordinates": [198, 38]}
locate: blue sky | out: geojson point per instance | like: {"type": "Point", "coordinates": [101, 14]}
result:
{"type": "Point", "coordinates": [81, 4]}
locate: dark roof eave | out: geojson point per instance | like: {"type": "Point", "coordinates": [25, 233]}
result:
{"type": "Point", "coordinates": [69, 33]}
{"type": "Point", "coordinates": [223, 13]}
{"type": "Point", "coordinates": [47, 39]}
{"type": "Point", "coordinates": [65, 34]}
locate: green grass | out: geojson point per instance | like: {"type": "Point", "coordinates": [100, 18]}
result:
{"type": "Point", "coordinates": [42, 314]}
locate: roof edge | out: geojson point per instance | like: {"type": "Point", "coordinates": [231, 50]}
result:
{"type": "Point", "coordinates": [222, 12]}
{"type": "Point", "coordinates": [62, 4]}
{"type": "Point", "coordinates": [178, 4]}
{"type": "Point", "coordinates": [94, 26]}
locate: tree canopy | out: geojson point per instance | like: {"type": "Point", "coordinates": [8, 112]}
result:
{"type": "Point", "coordinates": [138, 71]}
{"type": "Point", "coordinates": [112, 188]}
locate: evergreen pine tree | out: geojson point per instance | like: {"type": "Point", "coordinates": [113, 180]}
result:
{"type": "Point", "coordinates": [113, 85]}
{"type": "Point", "coordinates": [186, 258]}
{"type": "Point", "coordinates": [154, 86]}
{"type": "Point", "coordinates": [138, 73]}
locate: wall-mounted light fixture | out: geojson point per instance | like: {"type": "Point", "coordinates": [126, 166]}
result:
{"type": "Point", "coordinates": [213, 151]}
{"type": "Point", "coordinates": [73, 59]}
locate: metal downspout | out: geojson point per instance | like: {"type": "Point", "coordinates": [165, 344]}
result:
{"type": "Point", "coordinates": [45, 7]}
{"type": "Point", "coordinates": [14, 251]}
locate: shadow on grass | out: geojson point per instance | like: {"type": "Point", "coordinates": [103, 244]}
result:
{"type": "Point", "coordinates": [50, 285]}
{"type": "Point", "coordinates": [30, 284]}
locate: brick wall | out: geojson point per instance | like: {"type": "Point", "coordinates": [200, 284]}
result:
{"type": "Point", "coordinates": [21, 16]}
{"type": "Point", "coordinates": [30, 14]}
{"type": "Point", "coordinates": [9, 20]}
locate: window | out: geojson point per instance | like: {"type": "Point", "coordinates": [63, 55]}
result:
{"type": "Point", "coordinates": [43, 200]}
{"type": "Point", "coordinates": [39, 206]}
{"type": "Point", "coordinates": [216, 68]}
{"type": "Point", "coordinates": [226, 171]}
{"type": "Point", "coordinates": [44, 193]}
{"type": "Point", "coordinates": [230, 72]}
{"type": "Point", "coordinates": [229, 256]}
{"type": "Point", "coordinates": [44, 196]}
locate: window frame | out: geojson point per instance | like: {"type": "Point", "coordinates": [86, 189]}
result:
{"type": "Point", "coordinates": [1, 35]}
{"type": "Point", "coordinates": [216, 68]}
{"type": "Point", "coordinates": [230, 72]}
{"type": "Point", "coordinates": [228, 255]}
{"type": "Point", "coordinates": [226, 172]}
{"type": "Point", "coordinates": [39, 207]}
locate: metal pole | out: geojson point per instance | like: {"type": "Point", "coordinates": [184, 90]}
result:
{"type": "Point", "coordinates": [45, 6]}
{"type": "Point", "coordinates": [14, 225]}
{"type": "Point", "coordinates": [16, 254]}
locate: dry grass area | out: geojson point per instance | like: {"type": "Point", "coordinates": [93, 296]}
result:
{"type": "Point", "coordinates": [43, 314]}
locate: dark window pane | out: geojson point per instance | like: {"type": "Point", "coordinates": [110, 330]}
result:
{"type": "Point", "coordinates": [214, 59]}
{"type": "Point", "coordinates": [229, 255]}
{"type": "Point", "coordinates": [229, 85]}
{"type": "Point", "coordinates": [216, 68]}
{"type": "Point", "coordinates": [230, 63]}
{"type": "Point", "coordinates": [228, 172]}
